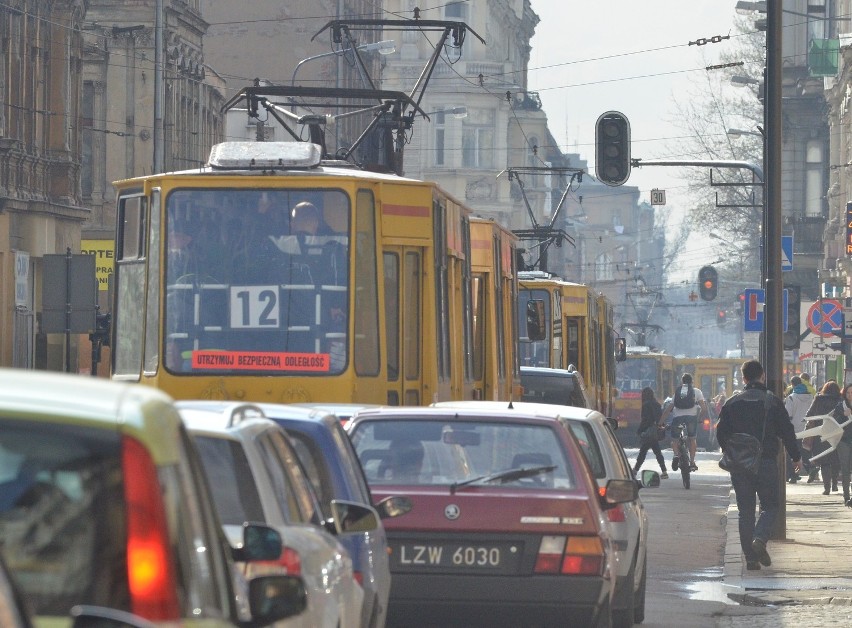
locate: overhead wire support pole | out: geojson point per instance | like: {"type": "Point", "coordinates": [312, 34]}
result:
{"type": "Point", "coordinates": [772, 314]}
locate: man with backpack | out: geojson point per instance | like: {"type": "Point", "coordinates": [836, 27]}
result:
{"type": "Point", "coordinates": [684, 407]}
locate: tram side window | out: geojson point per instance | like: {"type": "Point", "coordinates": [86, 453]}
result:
{"type": "Point", "coordinates": [130, 286]}
{"type": "Point", "coordinates": [366, 311]}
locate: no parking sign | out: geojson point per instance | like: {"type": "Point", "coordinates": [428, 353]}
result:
{"type": "Point", "coordinates": [824, 317]}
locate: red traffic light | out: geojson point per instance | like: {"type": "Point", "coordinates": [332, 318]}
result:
{"type": "Point", "coordinates": [708, 283]}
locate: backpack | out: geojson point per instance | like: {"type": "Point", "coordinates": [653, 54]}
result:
{"type": "Point", "coordinates": [684, 397]}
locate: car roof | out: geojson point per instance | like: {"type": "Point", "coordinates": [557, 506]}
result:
{"type": "Point", "coordinates": [342, 411]}
{"type": "Point", "coordinates": [547, 372]}
{"type": "Point", "coordinates": [230, 419]}
{"type": "Point", "coordinates": [468, 410]}
{"type": "Point", "coordinates": [145, 413]}
{"type": "Point", "coordinates": [544, 410]}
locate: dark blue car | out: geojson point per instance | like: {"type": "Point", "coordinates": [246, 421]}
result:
{"type": "Point", "coordinates": [324, 450]}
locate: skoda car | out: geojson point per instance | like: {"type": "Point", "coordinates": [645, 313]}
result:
{"type": "Point", "coordinates": [627, 521]}
{"type": "Point", "coordinates": [506, 526]}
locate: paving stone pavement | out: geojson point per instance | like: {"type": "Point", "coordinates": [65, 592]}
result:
{"type": "Point", "coordinates": [810, 580]}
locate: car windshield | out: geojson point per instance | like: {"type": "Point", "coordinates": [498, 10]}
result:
{"type": "Point", "coordinates": [458, 453]}
{"type": "Point", "coordinates": [256, 280]}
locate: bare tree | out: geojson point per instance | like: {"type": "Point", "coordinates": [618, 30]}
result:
{"type": "Point", "coordinates": [731, 207]}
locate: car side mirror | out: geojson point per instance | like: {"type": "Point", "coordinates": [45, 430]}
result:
{"type": "Point", "coordinates": [649, 479]}
{"type": "Point", "coordinates": [394, 506]}
{"type": "Point", "coordinates": [260, 542]}
{"type": "Point", "coordinates": [352, 517]}
{"type": "Point", "coordinates": [273, 598]}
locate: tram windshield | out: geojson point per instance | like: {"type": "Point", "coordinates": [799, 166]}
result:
{"type": "Point", "coordinates": [257, 281]}
{"type": "Point", "coordinates": [634, 375]}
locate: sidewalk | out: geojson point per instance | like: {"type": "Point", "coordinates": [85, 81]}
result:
{"type": "Point", "coordinates": [812, 566]}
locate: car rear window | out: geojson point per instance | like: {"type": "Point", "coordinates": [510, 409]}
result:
{"type": "Point", "coordinates": [563, 391]}
{"type": "Point", "coordinates": [62, 515]}
{"type": "Point", "coordinates": [420, 452]}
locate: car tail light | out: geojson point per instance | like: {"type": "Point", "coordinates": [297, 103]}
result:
{"type": "Point", "coordinates": [359, 577]}
{"type": "Point", "coordinates": [150, 572]}
{"type": "Point", "coordinates": [289, 561]}
{"type": "Point", "coordinates": [574, 555]}
{"type": "Point", "coordinates": [550, 554]}
{"type": "Point", "coordinates": [616, 514]}
{"type": "Point", "coordinates": [584, 556]}
{"type": "Point", "coordinates": [706, 424]}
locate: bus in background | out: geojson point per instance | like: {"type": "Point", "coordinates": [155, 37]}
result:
{"type": "Point", "coordinates": [575, 334]}
{"type": "Point", "coordinates": [494, 289]}
{"type": "Point", "coordinates": [718, 379]}
{"type": "Point", "coordinates": [642, 368]}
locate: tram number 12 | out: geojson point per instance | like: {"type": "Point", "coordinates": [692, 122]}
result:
{"type": "Point", "coordinates": [254, 307]}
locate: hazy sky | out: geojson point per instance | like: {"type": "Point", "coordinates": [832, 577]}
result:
{"type": "Point", "coordinates": [626, 55]}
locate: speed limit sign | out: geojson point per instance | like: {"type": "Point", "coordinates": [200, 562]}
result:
{"type": "Point", "coordinates": [658, 197]}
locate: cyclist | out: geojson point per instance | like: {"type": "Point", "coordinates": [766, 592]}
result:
{"type": "Point", "coordinates": [684, 407]}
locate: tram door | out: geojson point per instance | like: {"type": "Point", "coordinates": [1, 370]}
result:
{"type": "Point", "coordinates": [403, 272]}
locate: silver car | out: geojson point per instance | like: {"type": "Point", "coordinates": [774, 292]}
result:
{"type": "Point", "coordinates": [255, 475]}
{"type": "Point", "coordinates": [628, 521]}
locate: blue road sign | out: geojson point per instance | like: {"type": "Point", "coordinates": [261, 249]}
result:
{"type": "Point", "coordinates": [786, 253]}
{"type": "Point", "coordinates": [753, 309]}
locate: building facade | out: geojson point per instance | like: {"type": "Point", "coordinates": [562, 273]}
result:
{"type": "Point", "coordinates": [41, 208]}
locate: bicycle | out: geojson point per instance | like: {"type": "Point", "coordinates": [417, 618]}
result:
{"type": "Point", "coordinates": [684, 461]}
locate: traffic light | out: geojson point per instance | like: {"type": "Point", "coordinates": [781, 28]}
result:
{"type": "Point", "coordinates": [612, 148]}
{"type": "Point", "coordinates": [721, 317]}
{"type": "Point", "coordinates": [708, 282]}
{"type": "Point", "coordinates": [794, 302]}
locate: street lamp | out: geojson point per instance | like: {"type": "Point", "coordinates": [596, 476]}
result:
{"type": "Point", "coordinates": [458, 113]}
{"type": "Point", "coordinates": [735, 133]}
{"type": "Point", "coordinates": [742, 81]}
{"type": "Point", "coordinates": [384, 47]}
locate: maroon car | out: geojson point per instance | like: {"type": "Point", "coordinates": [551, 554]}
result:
{"type": "Point", "coordinates": [506, 526]}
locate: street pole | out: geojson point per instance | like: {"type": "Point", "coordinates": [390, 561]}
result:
{"type": "Point", "coordinates": [159, 91]}
{"type": "Point", "coordinates": [772, 313]}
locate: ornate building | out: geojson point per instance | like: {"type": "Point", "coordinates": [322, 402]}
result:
{"type": "Point", "coordinates": [41, 208]}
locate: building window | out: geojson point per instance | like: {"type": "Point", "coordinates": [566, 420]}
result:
{"type": "Point", "coordinates": [814, 187]}
{"type": "Point", "coordinates": [439, 138]}
{"type": "Point", "coordinates": [603, 267]}
{"type": "Point", "coordinates": [456, 11]}
{"type": "Point", "coordinates": [478, 139]}
{"type": "Point", "coordinates": [87, 124]}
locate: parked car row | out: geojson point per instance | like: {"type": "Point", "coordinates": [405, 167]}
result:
{"type": "Point", "coordinates": [120, 507]}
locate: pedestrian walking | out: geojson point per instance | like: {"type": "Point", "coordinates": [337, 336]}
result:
{"type": "Point", "coordinates": [843, 413]}
{"type": "Point", "coordinates": [758, 412]}
{"type": "Point", "coordinates": [797, 404]}
{"type": "Point", "coordinates": [826, 400]}
{"type": "Point", "coordinates": [649, 427]}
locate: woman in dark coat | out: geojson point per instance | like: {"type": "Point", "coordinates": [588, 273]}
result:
{"type": "Point", "coordinates": [826, 400]}
{"type": "Point", "coordinates": [652, 411]}
{"type": "Point", "coordinates": [842, 414]}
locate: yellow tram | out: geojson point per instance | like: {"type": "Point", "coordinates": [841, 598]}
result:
{"type": "Point", "coordinates": [643, 368]}
{"type": "Point", "coordinates": [222, 292]}
{"type": "Point", "coordinates": [577, 333]}
{"type": "Point", "coordinates": [494, 338]}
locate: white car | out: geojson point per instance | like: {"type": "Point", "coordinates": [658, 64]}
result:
{"type": "Point", "coordinates": [628, 521]}
{"type": "Point", "coordinates": [255, 475]}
